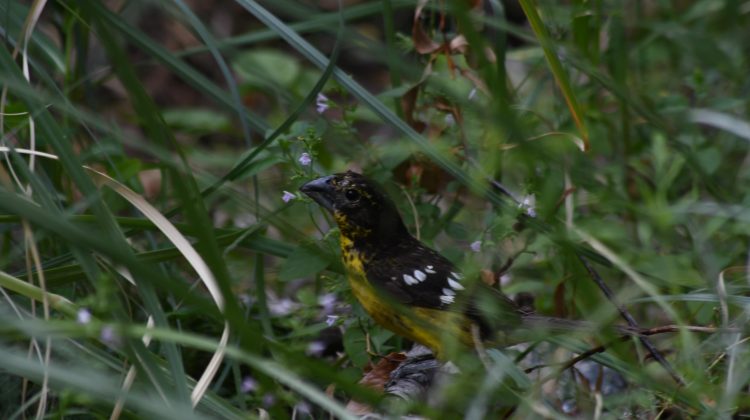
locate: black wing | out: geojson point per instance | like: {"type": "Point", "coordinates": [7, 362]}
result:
{"type": "Point", "coordinates": [417, 275]}
{"type": "Point", "coordinates": [413, 274]}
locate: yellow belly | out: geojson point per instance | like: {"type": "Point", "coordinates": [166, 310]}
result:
{"type": "Point", "coordinates": [430, 327]}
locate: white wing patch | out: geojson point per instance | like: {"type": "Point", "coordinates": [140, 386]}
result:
{"type": "Point", "coordinates": [446, 299]}
{"type": "Point", "coordinates": [451, 282]}
{"type": "Point", "coordinates": [418, 277]}
{"type": "Point", "coordinates": [448, 296]}
{"type": "Point", "coordinates": [449, 293]}
{"type": "Point", "coordinates": [409, 280]}
{"type": "Point", "coordinates": [454, 284]}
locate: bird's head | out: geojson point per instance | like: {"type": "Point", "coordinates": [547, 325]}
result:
{"type": "Point", "coordinates": [361, 208]}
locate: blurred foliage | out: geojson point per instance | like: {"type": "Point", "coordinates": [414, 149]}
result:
{"type": "Point", "coordinates": [622, 127]}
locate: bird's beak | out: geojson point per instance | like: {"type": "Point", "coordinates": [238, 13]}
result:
{"type": "Point", "coordinates": [321, 190]}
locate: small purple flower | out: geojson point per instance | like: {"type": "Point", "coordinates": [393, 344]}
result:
{"type": "Point", "coordinates": [331, 319]}
{"type": "Point", "coordinates": [528, 203]}
{"type": "Point", "coordinates": [248, 385]}
{"type": "Point", "coordinates": [450, 120]}
{"type": "Point", "coordinates": [282, 307]}
{"type": "Point", "coordinates": [109, 336]}
{"type": "Point", "coordinates": [83, 316]}
{"type": "Point", "coordinates": [303, 407]}
{"type": "Point", "coordinates": [246, 299]}
{"type": "Point", "coordinates": [315, 348]}
{"type": "Point", "coordinates": [327, 301]}
{"type": "Point", "coordinates": [321, 103]}
{"type": "Point", "coordinates": [305, 159]}
{"type": "Point", "coordinates": [505, 279]}
{"type": "Point", "coordinates": [476, 246]}
{"type": "Point", "coordinates": [269, 400]}
{"type": "Point", "coordinates": [287, 197]}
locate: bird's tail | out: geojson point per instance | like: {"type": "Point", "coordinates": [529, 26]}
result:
{"type": "Point", "coordinates": [537, 326]}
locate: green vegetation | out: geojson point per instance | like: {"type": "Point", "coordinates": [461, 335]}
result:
{"type": "Point", "coordinates": [157, 260]}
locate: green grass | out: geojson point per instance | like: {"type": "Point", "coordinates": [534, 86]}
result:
{"type": "Point", "coordinates": [626, 123]}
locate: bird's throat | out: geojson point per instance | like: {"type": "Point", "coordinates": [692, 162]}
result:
{"type": "Point", "coordinates": [354, 259]}
{"type": "Point", "coordinates": [357, 242]}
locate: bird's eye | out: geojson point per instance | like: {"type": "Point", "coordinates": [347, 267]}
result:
{"type": "Point", "coordinates": [351, 195]}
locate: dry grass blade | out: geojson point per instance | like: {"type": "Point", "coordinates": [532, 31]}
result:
{"type": "Point", "coordinates": [185, 248]}
{"type": "Point", "coordinates": [192, 257]}
{"type": "Point", "coordinates": [32, 255]}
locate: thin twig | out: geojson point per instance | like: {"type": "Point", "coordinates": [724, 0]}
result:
{"type": "Point", "coordinates": [572, 362]}
{"type": "Point", "coordinates": [414, 210]}
{"type": "Point", "coordinates": [505, 191]}
{"type": "Point", "coordinates": [631, 322]}
{"type": "Point", "coordinates": [645, 332]}
{"type": "Point", "coordinates": [610, 296]}
{"type": "Point", "coordinates": [692, 328]}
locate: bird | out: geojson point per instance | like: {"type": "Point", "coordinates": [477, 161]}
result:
{"type": "Point", "coordinates": [408, 287]}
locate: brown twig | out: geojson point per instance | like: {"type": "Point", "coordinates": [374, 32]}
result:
{"type": "Point", "coordinates": [645, 332]}
{"type": "Point", "coordinates": [692, 328]}
{"type": "Point", "coordinates": [610, 296]}
{"type": "Point", "coordinates": [631, 322]}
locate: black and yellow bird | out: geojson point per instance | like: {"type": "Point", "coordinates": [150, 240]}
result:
{"type": "Point", "coordinates": [408, 287]}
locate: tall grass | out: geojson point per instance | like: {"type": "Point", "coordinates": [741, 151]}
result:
{"type": "Point", "coordinates": [157, 260]}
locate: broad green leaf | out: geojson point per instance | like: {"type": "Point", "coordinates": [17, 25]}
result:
{"type": "Point", "coordinates": [197, 120]}
{"type": "Point", "coordinates": [355, 345]}
{"type": "Point", "coordinates": [258, 67]}
{"type": "Point", "coordinates": [305, 261]}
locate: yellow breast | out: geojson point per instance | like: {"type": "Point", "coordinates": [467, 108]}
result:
{"type": "Point", "coordinates": [429, 327]}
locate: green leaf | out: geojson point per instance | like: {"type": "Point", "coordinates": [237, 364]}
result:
{"type": "Point", "coordinates": [307, 260]}
{"type": "Point", "coordinates": [259, 165]}
{"type": "Point", "coordinates": [557, 69]}
{"type": "Point", "coordinates": [259, 67]}
{"type": "Point", "coordinates": [197, 120]}
{"type": "Point", "coordinates": [355, 345]}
